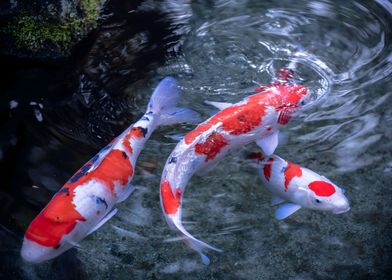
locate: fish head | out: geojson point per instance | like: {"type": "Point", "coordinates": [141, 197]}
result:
{"type": "Point", "coordinates": [51, 233]}
{"type": "Point", "coordinates": [293, 96]}
{"type": "Point", "coordinates": [34, 252]}
{"type": "Point", "coordinates": [323, 195]}
{"type": "Point", "coordinates": [287, 99]}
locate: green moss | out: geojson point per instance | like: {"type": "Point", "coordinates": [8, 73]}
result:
{"type": "Point", "coordinates": [31, 33]}
{"type": "Point", "coordinates": [90, 9]}
{"type": "Point", "coordinates": [37, 33]}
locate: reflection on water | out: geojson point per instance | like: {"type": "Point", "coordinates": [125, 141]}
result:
{"type": "Point", "coordinates": [341, 51]}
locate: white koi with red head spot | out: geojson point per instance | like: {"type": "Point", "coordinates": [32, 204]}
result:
{"type": "Point", "coordinates": [86, 201]}
{"type": "Point", "coordinates": [297, 187]}
{"type": "Point", "coordinates": [257, 118]}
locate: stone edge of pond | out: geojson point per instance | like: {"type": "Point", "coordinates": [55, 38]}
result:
{"type": "Point", "coordinates": [46, 29]}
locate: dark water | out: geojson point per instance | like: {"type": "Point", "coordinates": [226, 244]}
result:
{"type": "Point", "coordinates": [218, 50]}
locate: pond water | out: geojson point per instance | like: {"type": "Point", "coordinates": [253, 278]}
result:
{"type": "Point", "coordinates": [55, 117]}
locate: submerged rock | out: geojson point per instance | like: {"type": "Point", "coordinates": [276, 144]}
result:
{"type": "Point", "coordinates": [46, 28]}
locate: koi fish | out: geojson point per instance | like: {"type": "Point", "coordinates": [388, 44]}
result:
{"type": "Point", "coordinates": [257, 118]}
{"type": "Point", "coordinates": [296, 187]}
{"type": "Point", "coordinates": [87, 200]}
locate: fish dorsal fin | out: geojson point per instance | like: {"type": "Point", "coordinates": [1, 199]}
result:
{"type": "Point", "coordinates": [219, 105]}
{"type": "Point", "coordinates": [125, 193]}
{"type": "Point", "coordinates": [275, 200]}
{"type": "Point", "coordinates": [286, 210]}
{"type": "Point", "coordinates": [268, 144]}
{"type": "Point", "coordinates": [106, 218]}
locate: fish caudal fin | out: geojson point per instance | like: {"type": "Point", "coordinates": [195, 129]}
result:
{"type": "Point", "coordinates": [197, 245]}
{"type": "Point", "coordinates": [163, 103]}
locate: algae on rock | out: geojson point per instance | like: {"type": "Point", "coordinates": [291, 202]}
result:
{"type": "Point", "coordinates": [47, 28]}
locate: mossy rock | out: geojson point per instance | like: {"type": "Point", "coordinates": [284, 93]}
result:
{"type": "Point", "coordinates": [46, 28]}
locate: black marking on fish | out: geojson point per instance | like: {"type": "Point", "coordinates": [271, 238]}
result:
{"type": "Point", "coordinates": [150, 113]}
{"type": "Point", "coordinates": [283, 169]}
{"type": "Point", "coordinates": [124, 154]}
{"type": "Point", "coordinates": [56, 247]}
{"type": "Point", "coordinates": [82, 171]}
{"type": "Point", "coordinates": [144, 131]}
{"type": "Point", "coordinates": [95, 158]}
{"type": "Point", "coordinates": [107, 147]}
{"type": "Point", "coordinates": [64, 190]}
{"type": "Point", "coordinates": [173, 160]}
{"type": "Point", "coordinates": [144, 118]}
{"type": "Point", "coordinates": [100, 200]}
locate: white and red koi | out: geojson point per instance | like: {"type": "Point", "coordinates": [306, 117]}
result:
{"type": "Point", "coordinates": [256, 118]}
{"type": "Point", "coordinates": [86, 201]}
{"type": "Point", "coordinates": [296, 187]}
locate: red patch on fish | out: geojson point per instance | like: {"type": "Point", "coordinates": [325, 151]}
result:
{"type": "Point", "coordinates": [235, 120]}
{"type": "Point", "coordinates": [170, 201]}
{"type": "Point", "coordinates": [212, 146]}
{"type": "Point", "coordinates": [268, 168]}
{"type": "Point", "coordinates": [137, 132]}
{"type": "Point", "coordinates": [60, 217]}
{"type": "Point", "coordinates": [244, 122]}
{"type": "Point", "coordinates": [322, 188]}
{"type": "Point", "coordinates": [114, 167]}
{"type": "Point", "coordinates": [57, 219]}
{"type": "Point", "coordinates": [240, 119]}
{"type": "Point", "coordinates": [284, 116]}
{"type": "Point", "coordinates": [127, 143]}
{"type": "Point", "coordinates": [290, 172]}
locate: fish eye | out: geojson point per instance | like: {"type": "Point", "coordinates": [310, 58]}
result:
{"type": "Point", "coordinates": [318, 201]}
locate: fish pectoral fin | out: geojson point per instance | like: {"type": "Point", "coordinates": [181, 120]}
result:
{"type": "Point", "coordinates": [275, 200]}
{"type": "Point", "coordinates": [106, 218]}
{"type": "Point", "coordinates": [205, 259]}
{"type": "Point", "coordinates": [219, 105]}
{"type": "Point", "coordinates": [126, 193]}
{"type": "Point", "coordinates": [268, 144]}
{"type": "Point", "coordinates": [74, 244]}
{"type": "Point", "coordinates": [286, 210]}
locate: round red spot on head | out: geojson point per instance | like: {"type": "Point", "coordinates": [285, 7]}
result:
{"type": "Point", "coordinates": [322, 188]}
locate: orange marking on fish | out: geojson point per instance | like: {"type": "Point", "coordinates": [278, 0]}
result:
{"type": "Point", "coordinates": [57, 219]}
{"type": "Point", "coordinates": [136, 132]}
{"type": "Point", "coordinates": [239, 119]}
{"type": "Point", "coordinates": [290, 172]}
{"type": "Point", "coordinates": [170, 201]}
{"type": "Point", "coordinates": [212, 146]}
{"type": "Point", "coordinates": [60, 217]}
{"type": "Point", "coordinates": [322, 188]}
{"type": "Point", "coordinates": [235, 120]}
{"type": "Point", "coordinates": [268, 168]}
{"type": "Point", "coordinates": [127, 143]}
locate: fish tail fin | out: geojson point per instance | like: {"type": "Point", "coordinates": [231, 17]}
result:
{"type": "Point", "coordinates": [190, 240]}
{"type": "Point", "coordinates": [163, 103]}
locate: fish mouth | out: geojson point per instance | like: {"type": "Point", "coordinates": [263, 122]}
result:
{"type": "Point", "coordinates": [35, 253]}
